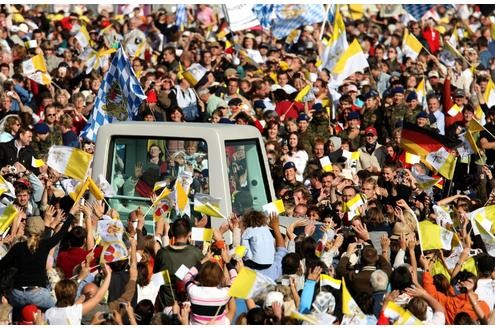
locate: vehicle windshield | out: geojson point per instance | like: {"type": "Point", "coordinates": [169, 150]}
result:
{"type": "Point", "coordinates": [139, 163]}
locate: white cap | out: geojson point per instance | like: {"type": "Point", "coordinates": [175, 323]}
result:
{"type": "Point", "coordinates": [23, 28]}
{"type": "Point", "coordinates": [309, 28]}
{"type": "Point", "coordinates": [274, 297]}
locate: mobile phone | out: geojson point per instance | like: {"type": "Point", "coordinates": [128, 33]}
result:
{"type": "Point", "coordinates": [285, 282]}
{"type": "Point", "coordinates": [122, 305]}
{"type": "Point", "coordinates": [473, 252]}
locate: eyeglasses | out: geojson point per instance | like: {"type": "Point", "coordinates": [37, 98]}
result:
{"type": "Point", "coordinates": [48, 115]}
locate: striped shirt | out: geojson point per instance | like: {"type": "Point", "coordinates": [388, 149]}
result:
{"type": "Point", "coordinates": [206, 302]}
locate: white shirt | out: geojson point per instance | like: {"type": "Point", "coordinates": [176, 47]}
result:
{"type": "Point", "coordinates": [150, 291]}
{"type": "Point", "coordinates": [486, 291]}
{"type": "Point", "coordinates": [70, 315]}
{"type": "Point", "coordinates": [300, 159]}
{"type": "Point", "coordinates": [440, 122]}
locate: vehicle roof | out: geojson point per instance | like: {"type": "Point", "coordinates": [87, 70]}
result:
{"type": "Point", "coordinates": [225, 131]}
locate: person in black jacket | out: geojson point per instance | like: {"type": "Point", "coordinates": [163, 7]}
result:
{"type": "Point", "coordinates": [18, 150]}
{"type": "Point", "coordinates": [29, 258]}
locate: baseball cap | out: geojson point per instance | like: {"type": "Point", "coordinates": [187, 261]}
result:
{"type": "Point", "coordinates": [459, 93]}
{"type": "Point", "coordinates": [369, 95]}
{"type": "Point", "coordinates": [411, 96]}
{"type": "Point", "coordinates": [318, 107]}
{"type": "Point", "coordinates": [28, 314]}
{"type": "Point", "coordinates": [433, 74]}
{"type": "Point", "coordinates": [353, 116]}
{"type": "Point", "coordinates": [302, 117]}
{"type": "Point", "coordinates": [352, 87]}
{"type": "Point", "coordinates": [397, 90]}
{"type": "Point", "coordinates": [259, 104]}
{"type": "Point", "coordinates": [370, 130]}
{"type": "Point", "coordinates": [422, 115]}
{"type": "Point", "coordinates": [289, 165]}
{"type": "Point", "coordinates": [41, 128]}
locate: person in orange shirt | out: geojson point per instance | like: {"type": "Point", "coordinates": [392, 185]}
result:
{"type": "Point", "coordinates": [467, 301]}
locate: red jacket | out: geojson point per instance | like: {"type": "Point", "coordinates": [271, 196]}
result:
{"type": "Point", "coordinates": [67, 260]}
{"type": "Point", "coordinates": [291, 109]}
{"type": "Point", "coordinates": [432, 36]}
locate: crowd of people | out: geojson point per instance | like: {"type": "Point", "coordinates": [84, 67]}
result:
{"type": "Point", "coordinates": [328, 146]}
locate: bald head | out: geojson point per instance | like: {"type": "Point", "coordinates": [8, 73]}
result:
{"type": "Point", "coordinates": [89, 291]}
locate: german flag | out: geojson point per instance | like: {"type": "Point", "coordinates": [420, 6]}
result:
{"type": "Point", "coordinates": [419, 141]}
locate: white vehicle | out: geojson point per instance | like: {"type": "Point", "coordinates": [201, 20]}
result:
{"type": "Point", "coordinates": [224, 159]}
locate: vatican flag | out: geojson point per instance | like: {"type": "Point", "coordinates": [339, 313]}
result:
{"type": "Point", "coordinates": [411, 47]}
{"type": "Point", "coordinates": [352, 60]}
{"type": "Point", "coordinates": [69, 161]}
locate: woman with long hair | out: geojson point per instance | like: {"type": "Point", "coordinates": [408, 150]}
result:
{"type": "Point", "coordinates": [296, 154]}
{"type": "Point", "coordinates": [271, 132]}
{"type": "Point", "coordinates": [11, 126]}
{"type": "Point", "coordinates": [29, 259]}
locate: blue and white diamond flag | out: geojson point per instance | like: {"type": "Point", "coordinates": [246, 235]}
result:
{"type": "Point", "coordinates": [118, 98]}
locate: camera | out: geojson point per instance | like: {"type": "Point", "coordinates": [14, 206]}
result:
{"type": "Point", "coordinates": [359, 247]}
{"type": "Point", "coordinates": [12, 169]}
{"type": "Point", "coordinates": [107, 316]}
{"type": "Point", "coordinates": [122, 306]}
{"type": "Point", "coordinates": [463, 290]}
{"type": "Point", "coordinates": [10, 93]}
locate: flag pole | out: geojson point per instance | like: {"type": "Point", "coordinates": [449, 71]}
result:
{"type": "Point", "coordinates": [324, 20]}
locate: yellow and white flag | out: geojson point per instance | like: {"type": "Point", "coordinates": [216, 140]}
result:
{"type": "Point", "coordinates": [454, 110]}
{"type": "Point", "coordinates": [201, 234]}
{"type": "Point", "coordinates": [326, 280]}
{"type": "Point", "coordinates": [95, 190]}
{"type": "Point", "coordinates": [337, 44]}
{"type": "Point", "coordinates": [303, 317]}
{"type": "Point", "coordinates": [354, 203]}
{"type": "Point", "coordinates": [240, 251]}
{"type": "Point", "coordinates": [399, 315]}
{"type": "Point", "coordinates": [37, 162]}
{"type": "Point", "coordinates": [433, 236]}
{"type": "Point", "coordinates": [485, 216]}
{"type": "Point", "coordinates": [421, 93]}
{"type": "Point", "coordinates": [208, 205]}
{"type": "Point", "coordinates": [164, 194]}
{"type": "Point", "coordinates": [276, 207]}
{"type": "Point", "coordinates": [194, 73]}
{"type": "Point", "coordinates": [7, 216]}
{"type": "Point", "coordinates": [34, 64]}
{"type": "Point", "coordinates": [490, 93]}
{"type": "Point", "coordinates": [6, 187]}
{"type": "Point", "coordinates": [352, 313]}
{"type": "Point", "coordinates": [83, 37]}
{"type": "Point", "coordinates": [79, 190]}
{"type": "Point", "coordinates": [352, 60]}
{"type": "Point", "coordinates": [442, 161]}
{"type": "Point", "coordinates": [159, 185]}
{"type": "Point", "coordinates": [42, 78]}
{"type": "Point", "coordinates": [411, 47]}
{"type": "Point", "coordinates": [487, 237]}
{"type": "Point", "coordinates": [412, 159]}
{"type": "Point", "coordinates": [326, 164]}
{"type": "Point", "coordinates": [69, 161]}
{"type": "Point", "coordinates": [248, 283]}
